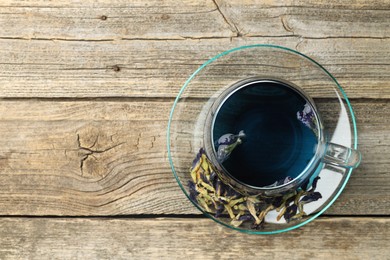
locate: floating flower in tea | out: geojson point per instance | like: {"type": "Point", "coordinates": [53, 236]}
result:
{"type": "Point", "coordinates": [280, 182]}
{"type": "Point", "coordinates": [307, 117]}
{"type": "Point", "coordinates": [226, 144]}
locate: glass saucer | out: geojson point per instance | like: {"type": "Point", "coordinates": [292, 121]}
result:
{"type": "Point", "coordinates": [186, 130]}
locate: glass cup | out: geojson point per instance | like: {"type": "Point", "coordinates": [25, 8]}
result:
{"type": "Point", "coordinates": [300, 139]}
{"type": "Point", "coordinates": [266, 136]}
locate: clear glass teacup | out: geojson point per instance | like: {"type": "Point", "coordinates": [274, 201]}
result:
{"type": "Point", "coordinates": [266, 136]}
{"type": "Point", "coordinates": [262, 139]}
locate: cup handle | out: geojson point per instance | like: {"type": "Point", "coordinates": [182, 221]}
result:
{"type": "Point", "coordinates": [342, 156]}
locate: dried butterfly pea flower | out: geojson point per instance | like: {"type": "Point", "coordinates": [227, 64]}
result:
{"type": "Point", "coordinates": [219, 210]}
{"type": "Point", "coordinates": [203, 178]}
{"type": "Point", "coordinates": [213, 177]}
{"type": "Point", "coordinates": [265, 212]}
{"type": "Point", "coordinates": [192, 189]}
{"type": "Point", "coordinates": [216, 197]}
{"type": "Point", "coordinates": [230, 211]}
{"type": "Point", "coordinates": [207, 186]}
{"type": "Point", "coordinates": [226, 144]}
{"type": "Point", "coordinates": [240, 207]}
{"type": "Point", "coordinates": [307, 117]}
{"type": "Point", "coordinates": [246, 217]}
{"type": "Point", "coordinates": [230, 192]}
{"type": "Point", "coordinates": [236, 201]}
{"type": "Point", "coordinates": [311, 197]}
{"type": "Point", "coordinates": [290, 212]}
{"type": "Point", "coordinates": [258, 226]}
{"type": "Point", "coordinates": [251, 207]}
{"type": "Point", "coordinates": [197, 158]}
{"type": "Point", "coordinates": [236, 222]}
{"type": "Point", "coordinates": [219, 189]}
{"type": "Point", "coordinates": [203, 203]}
{"type": "Point", "coordinates": [314, 184]}
{"type": "Point", "coordinates": [298, 196]}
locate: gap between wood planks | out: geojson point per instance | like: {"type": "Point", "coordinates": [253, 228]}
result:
{"type": "Point", "coordinates": [167, 216]}
{"type": "Point", "coordinates": [183, 38]}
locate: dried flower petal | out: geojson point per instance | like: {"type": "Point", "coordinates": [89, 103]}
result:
{"type": "Point", "coordinates": [203, 178]}
{"type": "Point", "coordinates": [246, 217]}
{"type": "Point", "coordinates": [226, 144]}
{"type": "Point", "coordinates": [203, 203]}
{"type": "Point", "coordinates": [236, 222]}
{"type": "Point", "coordinates": [290, 212]}
{"type": "Point", "coordinates": [315, 181]}
{"type": "Point", "coordinates": [230, 192]}
{"type": "Point", "coordinates": [311, 197]}
{"type": "Point", "coordinates": [205, 165]}
{"type": "Point", "coordinates": [213, 176]}
{"type": "Point", "coordinates": [307, 117]}
{"type": "Point", "coordinates": [207, 186]}
{"type": "Point", "coordinates": [197, 158]}
{"type": "Point", "coordinates": [193, 192]}
{"type": "Point", "coordinates": [240, 207]}
{"type": "Point", "coordinates": [265, 212]}
{"type": "Point", "coordinates": [251, 207]}
{"type": "Point", "coordinates": [219, 210]}
{"type": "Point", "coordinates": [281, 213]}
{"type": "Point", "coordinates": [218, 187]}
{"type": "Point", "coordinates": [230, 211]}
{"type": "Point", "coordinates": [277, 202]}
{"type": "Point", "coordinates": [298, 216]}
{"type": "Point", "coordinates": [234, 202]}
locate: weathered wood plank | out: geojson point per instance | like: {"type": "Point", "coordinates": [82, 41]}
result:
{"type": "Point", "coordinates": [105, 157]}
{"type": "Point", "coordinates": [41, 238]}
{"type": "Point", "coordinates": [313, 19]}
{"type": "Point", "coordinates": [159, 68]}
{"type": "Point", "coordinates": [88, 20]}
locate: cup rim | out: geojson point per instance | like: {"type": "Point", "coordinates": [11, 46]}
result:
{"type": "Point", "coordinates": [209, 136]}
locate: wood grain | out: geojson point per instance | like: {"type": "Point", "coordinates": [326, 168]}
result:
{"type": "Point", "coordinates": [138, 49]}
{"type": "Point", "coordinates": [139, 68]}
{"type": "Point", "coordinates": [104, 157]}
{"type": "Point", "coordinates": [310, 19]}
{"type": "Point", "coordinates": [165, 238]}
{"type": "Point", "coordinates": [192, 19]}
{"type": "Point", "coordinates": [85, 92]}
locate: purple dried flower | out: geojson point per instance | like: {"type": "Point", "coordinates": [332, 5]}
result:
{"type": "Point", "coordinates": [306, 116]}
{"type": "Point", "coordinates": [197, 158]}
{"type": "Point", "coordinates": [258, 226]}
{"type": "Point", "coordinates": [277, 202]}
{"type": "Point", "coordinates": [315, 181]}
{"type": "Point", "coordinates": [193, 192]}
{"type": "Point", "coordinates": [213, 176]}
{"type": "Point", "coordinates": [219, 187]}
{"type": "Point", "coordinates": [291, 211]}
{"type": "Point", "coordinates": [226, 144]}
{"type": "Point", "coordinates": [311, 197]}
{"type": "Point", "coordinates": [307, 184]}
{"type": "Point", "coordinates": [280, 182]}
{"type": "Point", "coordinates": [204, 178]}
{"type": "Point", "coordinates": [230, 192]}
{"type": "Point", "coordinates": [219, 210]}
{"type": "Point", "coordinates": [245, 217]}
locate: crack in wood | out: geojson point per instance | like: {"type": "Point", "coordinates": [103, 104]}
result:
{"type": "Point", "coordinates": [229, 22]}
{"type": "Point", "coordinates": [285, 24]}
{"type": "Point", "coordinates": [90, 152]}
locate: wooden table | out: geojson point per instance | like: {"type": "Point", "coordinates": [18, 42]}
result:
{"type": "Point", "coordinates": [86, 89]}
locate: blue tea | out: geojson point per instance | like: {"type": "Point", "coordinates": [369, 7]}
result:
{"type": "Point", "coordinates": [264, 133]}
